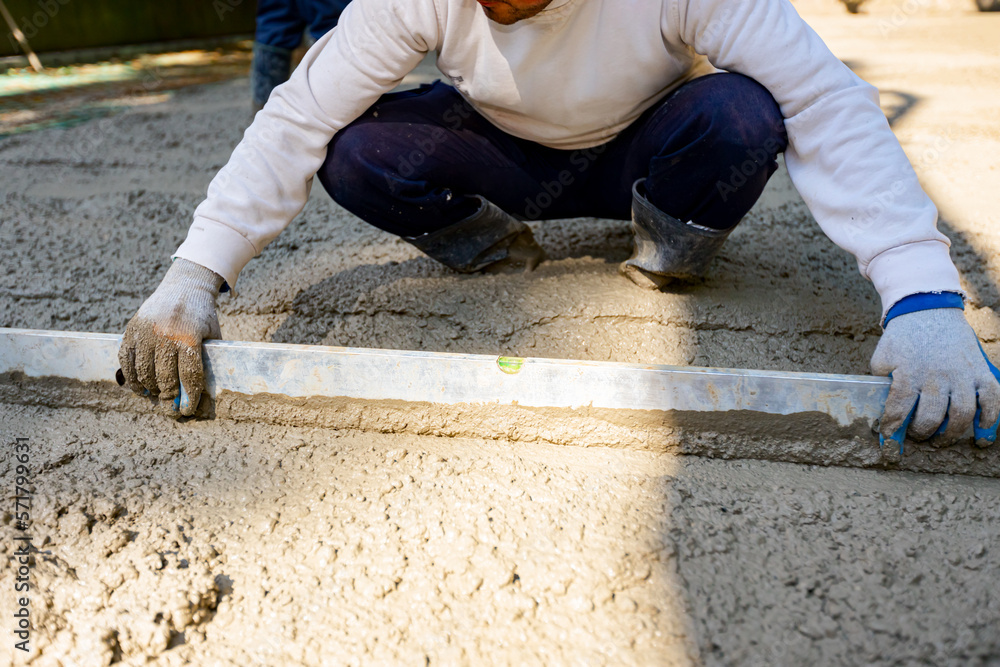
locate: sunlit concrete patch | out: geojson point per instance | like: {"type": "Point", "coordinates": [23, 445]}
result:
{"type": "Point", "coordinates": [219, 543]}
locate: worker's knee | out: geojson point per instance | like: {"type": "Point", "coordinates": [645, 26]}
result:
{"type": "Point", "coordinates": [355, 166]}
{"type": "Point", "coordinates": [720, 136]}
{"type": "Point", "coordinates": [729, 117]}
{"type": "Point", "coordinates": [724, 129]}
{"type": "Point", "coordinates": [743, 119]}
{"type": "Point", "coordinates": [381, 155]}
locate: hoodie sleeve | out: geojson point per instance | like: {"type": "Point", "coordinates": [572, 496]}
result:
{"type": "Point", "coordinates": [268, 178]}
{"type": "Point", "coordinates": [842, 156]}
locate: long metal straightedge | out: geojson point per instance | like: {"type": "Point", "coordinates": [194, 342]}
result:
{"type": "Point", "coordinates": [308, 370]}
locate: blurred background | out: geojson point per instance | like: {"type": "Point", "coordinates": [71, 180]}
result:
{"type": "Point", "coordinates": [61, 25]}
{"type": "Point", "coordinates": [63, 62]}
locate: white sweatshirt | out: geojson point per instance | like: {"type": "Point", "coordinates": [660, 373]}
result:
{"type": "Point", "coordinates": [573, 77]}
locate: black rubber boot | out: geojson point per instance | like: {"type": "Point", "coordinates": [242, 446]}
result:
{"type": "Point", "coordinates": [270, 68]}
{"type": "Point", "coordinates": [667, 249]}
{"type": "Point", "coordinates": [489, 239]}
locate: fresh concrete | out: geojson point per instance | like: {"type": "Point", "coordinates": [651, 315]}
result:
{"type": "Point", "coordinates": [237, 542]}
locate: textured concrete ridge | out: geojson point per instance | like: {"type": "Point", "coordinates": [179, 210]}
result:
{"type": "Point", "coordinates": [257, 538]}
{"type": "Point", "coordinates": [806, 438]}
{"type": "Point", "coordinates": [237, 543]}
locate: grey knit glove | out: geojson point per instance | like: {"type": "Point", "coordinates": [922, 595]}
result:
{"type": "Point", "coordinates": [937, 365]}
{"type": "Point", "coordinates": [161, 348]}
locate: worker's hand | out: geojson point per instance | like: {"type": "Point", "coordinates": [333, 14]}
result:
{"type": "Point", "coordinates": [161, 349]}
{"type": "Point", "coordinates": [942, 381]}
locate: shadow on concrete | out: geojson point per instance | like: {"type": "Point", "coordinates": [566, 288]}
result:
{"type": "Point", "coordinates": [838, 588]}
{"type": "Point", "coordinates": [982, 291]}
{"type": "Point", "coordinates": [897, 104]}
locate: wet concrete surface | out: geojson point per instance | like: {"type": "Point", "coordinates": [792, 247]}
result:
{"type": "Point", "coordinates": [236, 542]}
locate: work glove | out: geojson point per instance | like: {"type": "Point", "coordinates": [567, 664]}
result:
{"type": "Point", "coordinates": [161, 349]}
{"type": "Point", "coordinates": [942, 381]}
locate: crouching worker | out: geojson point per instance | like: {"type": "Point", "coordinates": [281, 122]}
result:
{"type": "Point", "coordinates": [568, 108]}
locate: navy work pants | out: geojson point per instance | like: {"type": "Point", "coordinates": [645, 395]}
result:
{"type": "Point", "coordinates": [412, 162]}
{"type": "Point", "coordinates": [281, 23]}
